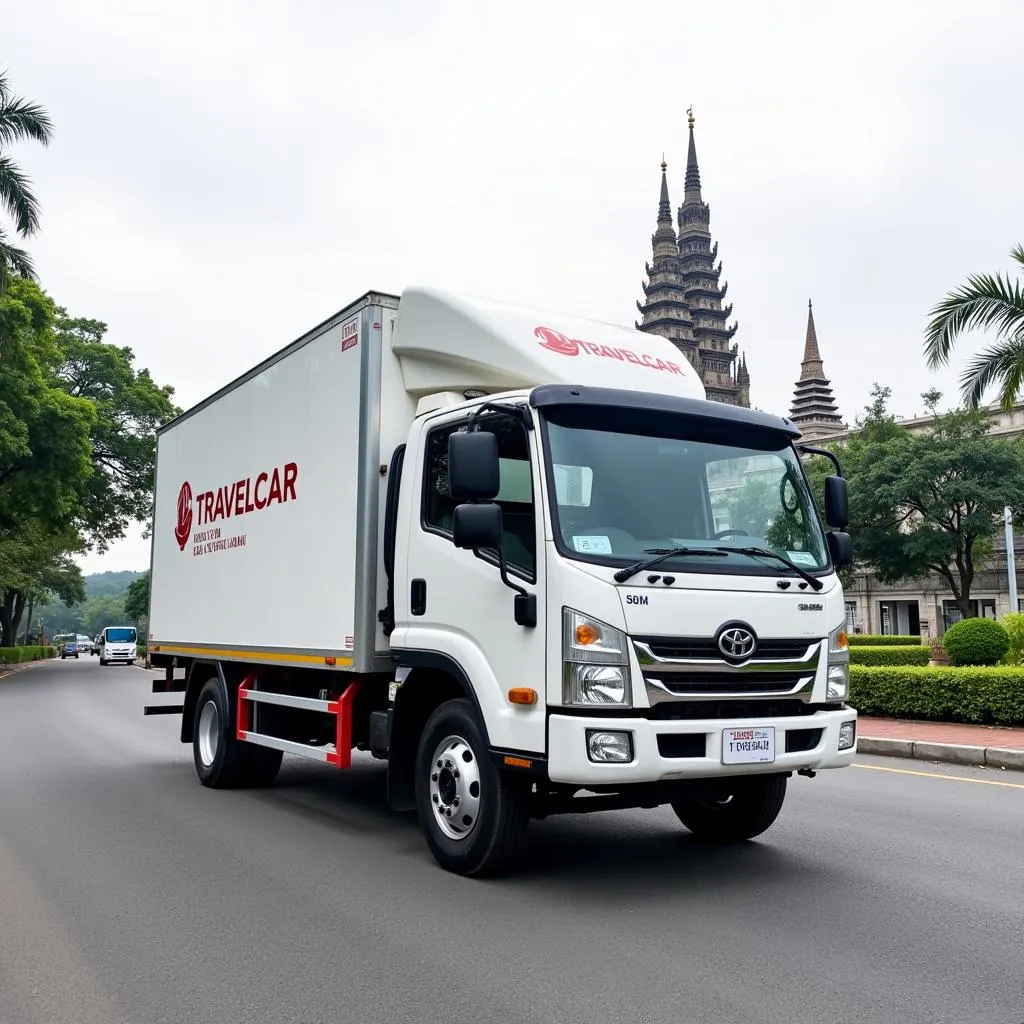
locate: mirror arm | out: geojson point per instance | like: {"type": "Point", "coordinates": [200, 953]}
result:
{"type": "Point", "coordinates": [517, 412]}
{"type": "Point", "coordinates": [525, 602]}
{"type": "Point", "coordinates": [809, 449]}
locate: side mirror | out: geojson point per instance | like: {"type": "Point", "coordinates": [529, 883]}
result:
{"type": "Point", "coordinates": [840, 547]}
{"type": "Point", "coordinates": [473, 472]}
{"type": "Point", "coordinates": [837, 503]}
{"type": "Point", "coordinates": [477, 526]}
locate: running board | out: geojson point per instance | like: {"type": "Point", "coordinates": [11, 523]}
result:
{"type": "Point", "coordinates": [340, 754]}
{"type": "Point", "coordinates": [163, 709]}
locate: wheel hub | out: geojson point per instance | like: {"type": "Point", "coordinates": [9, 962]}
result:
{"type": "Point", "coordinates": [209, 733]}
{"type": "Point", "coordinates": [455, 787]}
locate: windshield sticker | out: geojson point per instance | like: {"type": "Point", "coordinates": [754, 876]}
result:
{"type": "Point", "coordinates": [592, 545]}
{"type": "Point", "coordinates": [802, 557]}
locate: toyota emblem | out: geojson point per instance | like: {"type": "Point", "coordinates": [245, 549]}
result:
{"type": "Point", "coordinates": [737, 642]}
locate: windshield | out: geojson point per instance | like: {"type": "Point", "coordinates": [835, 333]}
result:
{"type": "Point", "coordinates": [120, 635]}
{"type": "Point", "coordinates": [641, 483]}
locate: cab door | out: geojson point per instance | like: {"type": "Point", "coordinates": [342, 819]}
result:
{"type": "Point", "coordinates": [452, 610]}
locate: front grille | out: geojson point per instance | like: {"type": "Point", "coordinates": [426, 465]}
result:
{"type": "Point", "coordinates": [696, 682]}
{"type": "Point", "coordinates": [700, 648]}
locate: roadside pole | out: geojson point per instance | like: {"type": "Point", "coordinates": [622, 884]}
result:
{"type": "Point", "coordinates": [1011, 561]}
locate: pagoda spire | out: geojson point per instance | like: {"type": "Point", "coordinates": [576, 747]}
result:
{"type": "Point", "coordinates": [811, 368]}
{"type": "Point", "coordinates": [691, 184]}
{"type": "Point", "coordinates": [664, 308]}
{"type": "Point", "coordinates": [814, 408]}
{"type": "Point", "coordinates": [704, 291]}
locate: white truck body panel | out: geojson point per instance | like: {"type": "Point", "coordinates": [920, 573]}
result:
{"type": "Point", "coordinates": [267, 505]}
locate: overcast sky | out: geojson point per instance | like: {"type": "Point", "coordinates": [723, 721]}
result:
{"type": "Point", "coordinates": [227, 174]}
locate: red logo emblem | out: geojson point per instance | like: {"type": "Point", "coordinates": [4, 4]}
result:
{"type": "Point", "coordinates": [183, 529]}
{"type": "Point", "coordinates": [556, 341]}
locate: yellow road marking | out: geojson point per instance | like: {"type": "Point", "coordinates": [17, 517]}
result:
{"type": "Point", "coordinates": [940, 775]}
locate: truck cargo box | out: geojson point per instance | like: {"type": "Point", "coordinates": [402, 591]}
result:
{"type": "Point", "coordinates": [268, 503]}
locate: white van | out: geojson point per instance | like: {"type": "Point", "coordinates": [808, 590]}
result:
{"type": "Point", "coordinates": [117, 643]}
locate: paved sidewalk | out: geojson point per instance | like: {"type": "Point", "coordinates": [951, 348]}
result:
{"type": "Point", "coordinates": [992, 746]}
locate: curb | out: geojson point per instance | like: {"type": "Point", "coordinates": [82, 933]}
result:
{"type": "Point", "coordinates": [22, 667]}
{"type": "Point", "coordinates": [949, 753]}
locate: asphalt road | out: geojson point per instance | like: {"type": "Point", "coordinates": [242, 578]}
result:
{"type": "Point", "coordinates": [128, 893]}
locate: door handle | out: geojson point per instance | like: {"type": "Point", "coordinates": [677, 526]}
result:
{"type": "Point", "coordinates": [418, 597]}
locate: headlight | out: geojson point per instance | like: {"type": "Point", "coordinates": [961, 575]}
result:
{"type": "Point", "coordinates": [837, 683]}
{"type": "Point", "coordinates": [838, 643]}
{"type": "Point", "coordinates": [596, 669]}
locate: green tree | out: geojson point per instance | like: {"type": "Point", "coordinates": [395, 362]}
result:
{"type": "Point", "coordinates": [930, 502]}
{"type": "Point", "coordinates": [129, 407]}
{"type": "Point", "coordinates": [136, 600]}
{"type": "Point", "coordinates": [36, 564]}
{"type": "Point", "coordinates": [986, 301]}
{"type": "Point", "coordinates": [20, 121]}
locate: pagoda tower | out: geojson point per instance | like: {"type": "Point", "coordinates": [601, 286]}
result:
{"type": "Point", "coordinates": [683, 296]}
{"type": "Point", "coordinates": [814, 408]}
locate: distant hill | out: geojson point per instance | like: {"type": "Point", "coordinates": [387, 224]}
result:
{"type": "Point", "coordinates": [100, 584]}
{"type": "Point", "coordinates": [104, 606]}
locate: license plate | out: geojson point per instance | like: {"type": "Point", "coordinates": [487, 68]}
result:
{"type": "Point", "coordinates": [748, 746]}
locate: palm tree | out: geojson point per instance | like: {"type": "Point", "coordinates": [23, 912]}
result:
{"type": "Point", "coordinates": [990, 301]}
{"type": "Point", "coordinates": [19, 120]}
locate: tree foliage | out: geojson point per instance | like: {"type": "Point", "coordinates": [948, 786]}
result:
{"type": "Point", "coordinates": [136, 600]}
{"type": "Point", "coordinates": [986, 302]}
{"type": "Point", "coordinates": [77, 442]}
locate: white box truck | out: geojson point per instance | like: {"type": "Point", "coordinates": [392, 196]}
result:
{"type": "Point", "coordinates": [517, 555]}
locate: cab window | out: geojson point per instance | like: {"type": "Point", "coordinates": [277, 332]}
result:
{"type": "Point", "coordinates": [515, 496]}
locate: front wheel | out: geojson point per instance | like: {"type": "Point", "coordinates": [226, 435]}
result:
{"type": "Point", "coordinates": [747, 807]}
{"type": "Point", "coordinates": [473, 816]}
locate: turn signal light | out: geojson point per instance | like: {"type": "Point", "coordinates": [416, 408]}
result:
{"type": "Point", "coordinates": [522, 695]}
{"type": "Point", "coordinates": [841, 641]}
{"type": "Point", "coordinates": [587, 634]}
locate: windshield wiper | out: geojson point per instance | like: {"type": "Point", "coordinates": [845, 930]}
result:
{"type": "Point", "coordinates": [660, 554]}
{"type": "Point", "coordinates": [815, 583]}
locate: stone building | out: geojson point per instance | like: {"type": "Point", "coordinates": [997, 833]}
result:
{"type": "Point", "coordinates": [682, 296]}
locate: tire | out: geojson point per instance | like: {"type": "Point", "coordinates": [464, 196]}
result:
{"type": "Point", "coordinates": [220, 759]}
{"type": "Point", "coordinates": [477, 844]}
{"type": "Point", "coordinates": [103, 662]}
{"type": "Point", "coordinates": [749, 809]}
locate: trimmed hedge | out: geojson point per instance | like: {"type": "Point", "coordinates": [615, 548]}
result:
{"type": "Point", "coordinates": [990, 695]}
{"type": "Point", "coordinates": [17, 655]}
{"type": "Point", "coordinates": [890, 655]}
{"type": "Point", "coordinates": [876, 640]}
{"type": "Point", "coordinates": [976, 642]}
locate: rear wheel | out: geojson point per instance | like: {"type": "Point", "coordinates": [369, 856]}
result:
{"type": "Point", "coordinates": [222, 760]}
{"type": "Point", "coordinates": [474, 817]}
{"type": "Point", "coordinates": [746, 807]}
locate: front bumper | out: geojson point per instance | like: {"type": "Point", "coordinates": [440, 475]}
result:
{"type": "Point", "coordinates": [568, 761]}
